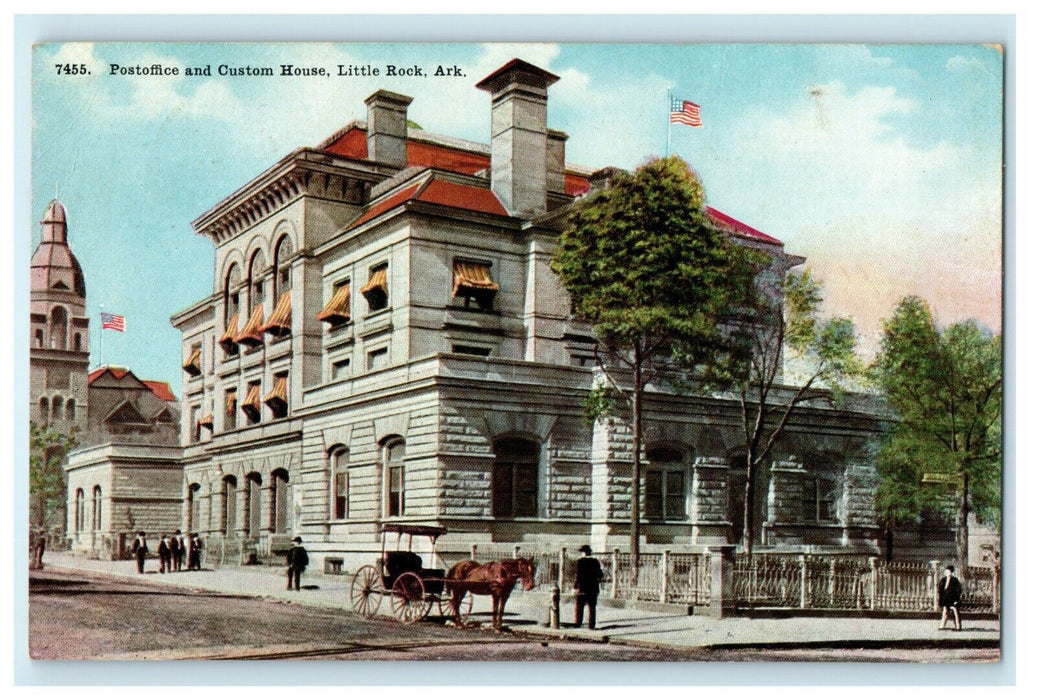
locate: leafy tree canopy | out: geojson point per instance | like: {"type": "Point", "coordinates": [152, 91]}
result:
{"type": "Point", "coordinates": [47, 450]}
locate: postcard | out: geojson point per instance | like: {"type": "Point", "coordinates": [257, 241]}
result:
{"type": "Point", "coordinates": [516, 352]}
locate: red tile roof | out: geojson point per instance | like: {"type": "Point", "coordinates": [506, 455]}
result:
{"type": "Point", "coordinates": [160, 389]}
{"type": "Point", "coordinates": [736, 227]}
{"type": "Point", "coordinates": [385, 205]}
{"type": "Point", "coordinates": [353, 144]}
{"type": "Point", "coordinates": [451, 194]}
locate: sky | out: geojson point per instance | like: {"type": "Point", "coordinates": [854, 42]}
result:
{"type": "Point", "coordinates": [881, 164]}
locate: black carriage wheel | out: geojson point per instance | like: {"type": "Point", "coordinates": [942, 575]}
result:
{"type": "Point", "coordinates": [446, 607]}
{"type": "Point", "coordinates": [408, 599]}
{"type": "Point", "coordinates": [366, 591]}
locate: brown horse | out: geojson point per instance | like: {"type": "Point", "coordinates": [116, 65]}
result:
{"type": "Point", "coordinates": [495, 579]}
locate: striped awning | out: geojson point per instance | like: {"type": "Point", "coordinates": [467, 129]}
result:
{"type": "Point", "coordinates": [226, 341]}
{"type": "Point", "coordinates": [472, 277]}
{"type": "Point", "coordinates": [280, 322]}
{"type": "Point", "coordinates": [279, 394]}
{"type": "Point", "coordinates": [251, 333]}
{"type": "Point", "coordinates": [337, 310]}
{"type": "Point", "coordinates": [251, 402]}
{"type": "Point", "coordinates": [379, 282]}
{"type": "Point", "coordinates": [205, 421]}
{"type": "Point", "coordinates": [193, 366]}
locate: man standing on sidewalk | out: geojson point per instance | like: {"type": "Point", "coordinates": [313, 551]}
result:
{"type": "Point", "coordinates": [588, 579]}
{"type": "Point", "coordinates": [297, 561]}
{"type": "Point", "coordinates": [176, 544]}
{"type": "Point", "coordinates": [140, 551]}
{"type": "Point", "coordinates": [950, 598]}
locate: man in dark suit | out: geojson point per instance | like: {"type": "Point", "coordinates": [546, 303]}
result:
{"type": "Point", "coordinates": [164, 560]}
{"type": "Point", "coordinates": [176, 549]}
{"type": "Point", "coordinates": [588, 580]}
{"type": "Point", "coordinates": [950, 598]}
{"type": "Point", "coordinates": [194, 561]}
{"type": "Point", "coordinates": [297, 561]}
{"type": "Point", "coordinates": [140, 551]}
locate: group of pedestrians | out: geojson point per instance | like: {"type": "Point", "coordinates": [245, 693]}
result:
{"type": "Point", "coordinates": [172, 551]}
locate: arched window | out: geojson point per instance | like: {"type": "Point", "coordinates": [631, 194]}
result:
{"type": "Point", "coordinates": [253, 482]}
{"type": "Point", "coordinates": [44, 409]}
{"type": "Point", "coordinates": [255, 282]}
{"type": "Point", "coordinates": [56, 404]}
{"type": "Point", "coordinates": [665, 485]}
{"type": "Point", "coordinates": [231, 298]}
{"type": "Point", "coordinates": [394, 477]}
{"type": "Point", "coordinates": [282, 268]}
{"type": "Point", "coordinates": [339, 459]}
{"type": "Point", "coordinates": [515, 483]}
{"type": "Point", "coordinates": [97, 508]}
{"type": "Point", "coordinates": [80, 515]}
{"type": "Point", "coordinates": [37, 338]}
{"type": "Point", "coordinates": [193, 503]}
{"type": "Point", "coordinates": [279, 506]}
{"type": "Point", "coordinates": [230, 505]}
{"type": "Point", "coordinates": [58, 328]}
{"type": "Point", "coordinates": [78, 342]}
{"type": "Point", "coordinates": [70, 409]}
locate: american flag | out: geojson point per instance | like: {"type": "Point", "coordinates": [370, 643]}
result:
{"type": "Point", "coordinates": [113, 322]}
{"type": "Point", "coordinates": [684, 112]}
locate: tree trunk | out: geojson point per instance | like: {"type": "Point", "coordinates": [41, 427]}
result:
{"type": "Point", "coordinates": [750, 505]}
{"type": "Point", "coordinates": [962, 534]}
{"type": "Point", "coordinates": [635, 476]}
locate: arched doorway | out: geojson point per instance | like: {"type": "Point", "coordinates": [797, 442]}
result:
{"type": "Point", "coordinates": [253, 522]}
{"type": "Point", "coordinates": [280, 501]}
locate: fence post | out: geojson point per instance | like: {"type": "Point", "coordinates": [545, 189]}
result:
{"type": "Point", "coordinates": [664, 574]}
{"type": "Point", "coordinates": [473, 551]}
{"type": "Point", "coordinates": [831, 582]}
{"type": "Point", "coordinates": [995, 589]}
{"type": "Point", "coordinates": [874, 592]}
{"type": "Point", "coordinates": [934, 565]}
{"type": "Point", "coordinates": [802, 580]}
{"type": "Point", "coordinates": [721, 580]}
{"type": "Point", "coordinates": [614, 586]}
{"type": "Point", "coordinates": [561, 568]}
{"type": "Point", "coordinates": [515, 552]}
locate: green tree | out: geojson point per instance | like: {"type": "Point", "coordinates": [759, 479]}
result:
{"type": "Point", "coordinates": [784, 354]}
{"type": "Point", "coordinates": [47, 451]}
{"type": "Point", "coordinates": [944, 453]}
{"type": "Point", "coordinates": [644, 265]}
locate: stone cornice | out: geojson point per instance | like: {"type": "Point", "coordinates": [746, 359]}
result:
{"type": "Point", "coordinates": [286, 181]}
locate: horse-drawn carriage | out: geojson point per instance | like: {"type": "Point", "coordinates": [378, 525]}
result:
{"type": "Point", "coordinates": [413, 589]}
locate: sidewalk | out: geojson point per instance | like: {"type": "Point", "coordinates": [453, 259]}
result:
{"type": "Point", "coordinates": [527, 613]}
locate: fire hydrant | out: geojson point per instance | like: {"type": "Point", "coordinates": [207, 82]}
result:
{"type": "Point", "coordinates": [556, 601]}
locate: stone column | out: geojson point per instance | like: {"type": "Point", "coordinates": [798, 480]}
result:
{"type": "Point", "coordinates": [721, 574]}
{"type": "Point", "coordinates": [268, 506]}
{"type": "Point", "coordinates": [935, 566]}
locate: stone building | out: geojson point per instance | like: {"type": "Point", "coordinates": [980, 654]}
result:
{"type": "Point", "coordinates": [385, 342]}
{"type": "Point", "coordinates": [59, 353]}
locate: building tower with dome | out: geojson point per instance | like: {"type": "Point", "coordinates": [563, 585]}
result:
{"type": "Point", "coordinates": [59, 346]}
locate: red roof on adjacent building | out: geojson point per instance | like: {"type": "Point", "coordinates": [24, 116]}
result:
{"type": "Point", "coordinates": [160, 389]}
{"type": "Point", "coordinates": [385, 205]}
{"type": "Point", "coordinates": [738, 228]}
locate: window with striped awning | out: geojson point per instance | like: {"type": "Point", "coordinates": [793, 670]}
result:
{"type": "Point", "coordinates": [226, 340]}
{"type": "Point", "coordinates": [206, 421]}
{"type": "Point", "coordinates": [280, 322]}
{"type": "Point", "coordinates": [337, 310]}
{"type": "Point", "coordinates": [376, 291]}
{"type": "Point", "coordinates": [472, 280]}
{"type": "Point", "coordinates": [277, 399]}
{"type": "Point", "coordinates": [251, 333]}
{"type": "Point", "coordinates": [250, 406]}
{"type": "Point", "coordinates": [193, 366]}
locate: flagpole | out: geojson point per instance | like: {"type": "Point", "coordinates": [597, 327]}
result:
{"type": "Point", "coordinates": [669, 106]}
{"type": "Point", "coordinates": [100, 331]}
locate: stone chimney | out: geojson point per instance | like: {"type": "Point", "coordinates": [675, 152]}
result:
{"type": "Point", "coordinates": [518, 136]}
{"type": "Point", "coordinates": [387, 128]}
{"type": "Point", "coordinates": [556, 160]}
